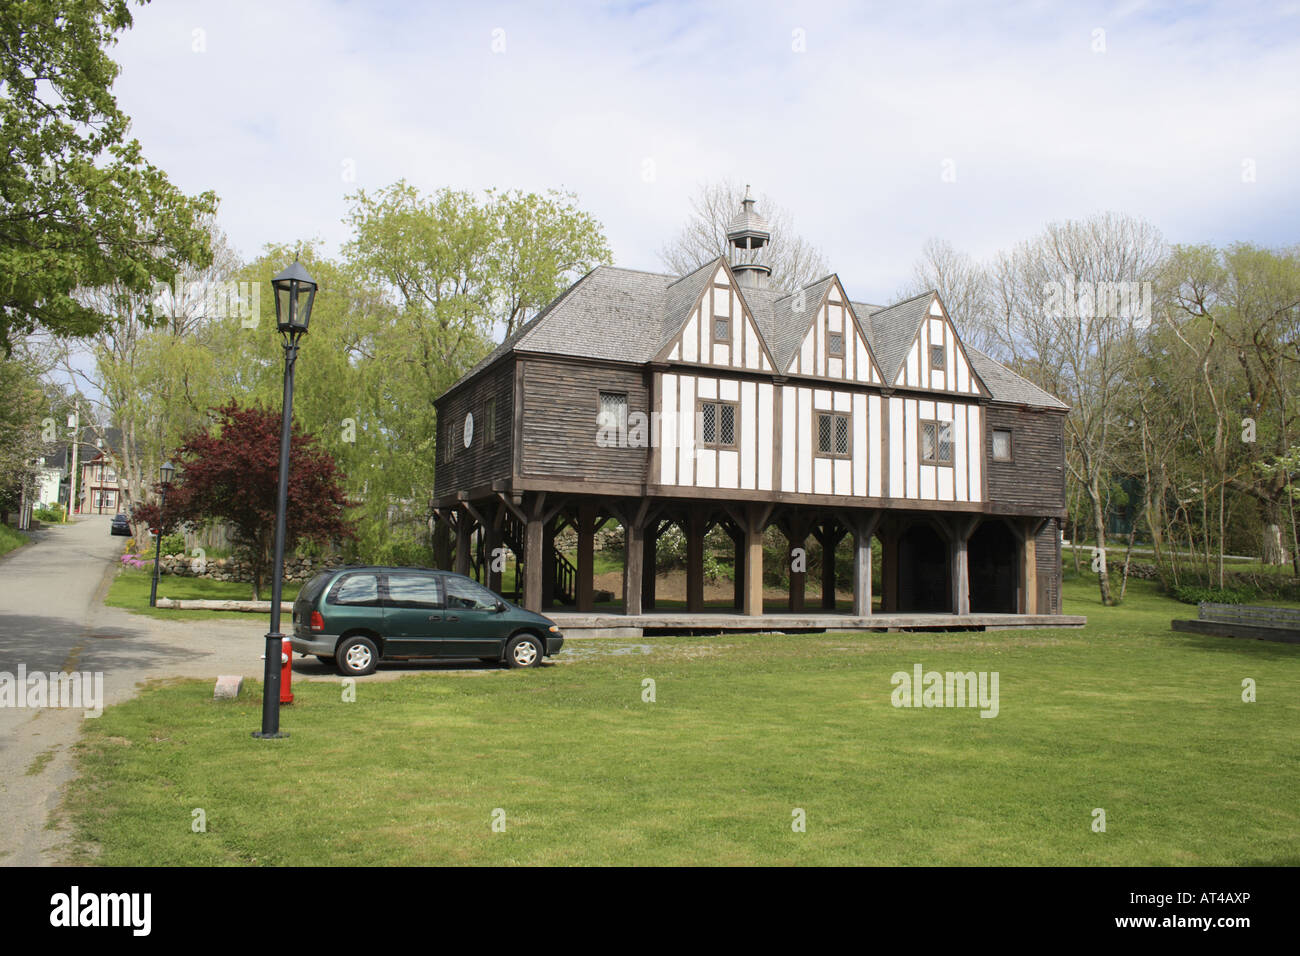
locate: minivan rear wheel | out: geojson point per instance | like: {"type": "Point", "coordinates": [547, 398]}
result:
{"type": "Point", "coordinates": [356, 657]}
{"type": "Point", "coordinates": [524, 650]}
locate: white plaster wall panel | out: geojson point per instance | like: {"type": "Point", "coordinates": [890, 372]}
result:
{"type": "Point", "coordinates": [706, 468]}
{"type": "Point", "coordinates": [686, 459]}
{"type": "Point", "coordinates": [806, 355]}
{"type": "Point", "coordinates": [707, 388]}
{"type": "Point", "coordinates": [843, 401]}
{"type": "Point", "coordinates": [729, 469]}
{"type": "Point", "coordinates": [874, 446]}
{"type": "Point", "coordinates": [861, 450]}
{"type": "Point", "coordinates": [764, 436]}
{"type": "Point", "coordinates": [897, 423]}
{"type": "Point", "coordinates": [961, 465]}
{"type": "Point", "coordinates": [789, 424]}
{"type": "Point", "coordinates": [822, 399]}
{"type": "Point", "coordinates": [729, 389]}
{"type": "Point", "coordinates": [691, 338]}
{"type": "Point", "coordinates": [749, 435]}
{"type": "Point", "coordinates": [927, 492]}
{"type": "Point", "coordinates": [975, 441]}
{"type": "Point", "coordinates": [912, 451]}
{"type": "Point", "coordinates": [823, 483]}
{"type": "Point", "coordinates": [722, 355]}
{"type": "Point", "coordinates": [805, 440]}
{"type": "Point", "coordinates": [843, 476]}
{"type": "Point", "coordinates": [946, 477]}
{"type": "Point", "coordinates": [669, 430]}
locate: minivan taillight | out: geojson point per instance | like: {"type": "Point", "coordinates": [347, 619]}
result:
{"type": "Point", "coordinates": [317, 622]}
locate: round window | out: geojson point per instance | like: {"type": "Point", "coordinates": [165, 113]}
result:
{"type": "Point", "coordinates": [469, 428]}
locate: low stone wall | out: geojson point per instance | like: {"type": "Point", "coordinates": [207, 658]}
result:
{"type": "Point", "coordinates": [232, 569]}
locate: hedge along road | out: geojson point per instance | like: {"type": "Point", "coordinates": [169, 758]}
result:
{"type": "Point", "coordinates": [52, 619]}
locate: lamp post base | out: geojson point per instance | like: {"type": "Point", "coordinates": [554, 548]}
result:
{"type": "Point", "coordinates": [275, 736]}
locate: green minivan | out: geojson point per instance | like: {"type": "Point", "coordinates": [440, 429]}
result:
{"type": "Point", "coordinates": [354, 617]}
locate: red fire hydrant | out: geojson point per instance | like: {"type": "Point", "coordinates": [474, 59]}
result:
{"type": "Point", "coordinates": [286, 672]}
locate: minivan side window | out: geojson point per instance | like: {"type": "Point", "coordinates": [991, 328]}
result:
{"type": "Point", "coordinates": [356, 590]}
{"type": "Point", "coordinates": [468, 595]}
{"type": "Point", "coordinates": [414, 590]}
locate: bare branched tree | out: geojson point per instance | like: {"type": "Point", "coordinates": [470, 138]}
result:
{"type": "Point", "coordinates": [965, 287]}
{"type": "Point", "coordinates": [1066, 307]}
{"type": "Point", "coordinates": [795, 262]}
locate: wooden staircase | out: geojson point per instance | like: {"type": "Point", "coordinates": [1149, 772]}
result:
{"type": "Point", "coordinates": [565, 589]}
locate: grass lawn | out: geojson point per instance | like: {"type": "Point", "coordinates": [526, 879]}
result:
{"type": "Point", "coordinates": [11, 538]}
{"type": "Point", "coordinates": [1124, 715]}
{"type": "Point", "coordinates": [130, 590]}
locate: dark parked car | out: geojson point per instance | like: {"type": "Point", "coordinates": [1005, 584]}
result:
{"type": "Point", "coordinates": [355, 617]}
{"type": "Point", "coordinates": [121, 525]}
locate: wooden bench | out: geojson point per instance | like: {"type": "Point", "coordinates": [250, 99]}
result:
{"type": "Point", "coordinates": [1241, 620]}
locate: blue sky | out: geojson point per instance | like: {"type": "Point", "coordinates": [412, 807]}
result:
{"type": "Point", "coordinates": [849, 114]}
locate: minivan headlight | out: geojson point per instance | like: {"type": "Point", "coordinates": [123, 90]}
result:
{"type": "Point", "coordinates": [554, 629]}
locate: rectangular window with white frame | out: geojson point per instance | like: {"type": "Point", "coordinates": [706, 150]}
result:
{"type": "Point", "coordinates": [1002, 445]}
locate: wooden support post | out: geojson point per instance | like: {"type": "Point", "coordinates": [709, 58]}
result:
{"type": "Point", "coordinates": [889, 602]}
{"type": "Point", "coordinates": [649, 558]}
{"type": "Point", "coordinates": [738, 570]}
{"type": "Point", "coordinates": [796, 533]}
{"type": "Point", "coordinates": [548, 563]}
{"type": "Point", "coordinates": [959, 532]}
{"type": "Point", "coordinates": [829, 535]}
{"type": "Point", "coordinates": [757, 521]}
{"type": "Point", "coordinates": [494, 548]}
{"type": "Point", "coordinates": [533, 534]}
{"type": "Point", "coordinates": [695, 559]}
{"type": "Point", "coordinates": [634, 526]}
{"type": "Point", "coordinates": [442, 543]}
{"type": "Point", "coordinates": [1029, 570]}
{"type": "Point", "coordinates": [586, 528]}
{"type": "Point", "coordinates": [464, 531]}
{"type": "Point", "coordinates": [864, 529]}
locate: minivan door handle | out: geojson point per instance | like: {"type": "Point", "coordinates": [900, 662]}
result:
{"type": "Point", "coordinates": [452, 618]}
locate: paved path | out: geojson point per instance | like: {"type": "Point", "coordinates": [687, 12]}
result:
{"type": "Point", "coordinates": [52, 619]}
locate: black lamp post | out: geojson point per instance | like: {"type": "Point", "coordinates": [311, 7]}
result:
{"type": "Point", "coordinates": [295, 292]}
{"type": "Point", "coordinates": [166, 471]}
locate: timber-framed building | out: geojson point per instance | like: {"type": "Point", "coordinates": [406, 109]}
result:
{"type": "Point", "coordinates": [713, 400]}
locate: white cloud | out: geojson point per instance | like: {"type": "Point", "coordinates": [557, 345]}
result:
{"type": "Point", "coordinates": [851, 135]}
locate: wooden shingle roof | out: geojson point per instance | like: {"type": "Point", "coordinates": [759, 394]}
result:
{"type": "Point", "coordinates": [627, 315]}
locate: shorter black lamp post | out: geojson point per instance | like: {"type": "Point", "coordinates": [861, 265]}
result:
{"type": "Point", "coordinates": [295, 293]}
{"type": "Point", "coordinates": [167, 470]}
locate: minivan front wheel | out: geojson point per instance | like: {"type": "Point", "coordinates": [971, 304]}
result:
{"type": "Point", "coordinates": [356, 657]}
{"type": "Point", "coordinates": [524, 650]}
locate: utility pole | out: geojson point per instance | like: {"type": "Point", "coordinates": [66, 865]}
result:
{"type": "Point", "coordinates": [76, 444]}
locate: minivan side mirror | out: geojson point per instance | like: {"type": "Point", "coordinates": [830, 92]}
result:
{"type": "Point", "coordinates": [501, 607]}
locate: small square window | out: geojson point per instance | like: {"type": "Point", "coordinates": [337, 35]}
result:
{"type": "Point", "coordinates": [835, 343]}
{"type": "Point", "coordinates": [722, 330]}
{"type": "Point", "coordinates": [1001, 444]}
{"type": "Point", "coordinates": [936, 356]}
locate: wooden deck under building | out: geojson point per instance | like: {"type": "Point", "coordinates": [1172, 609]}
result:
{"type": "Point", "coordinates": [578, 624]}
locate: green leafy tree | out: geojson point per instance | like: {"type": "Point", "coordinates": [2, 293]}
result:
{"type": "Point", "coordinates": [80, 207]}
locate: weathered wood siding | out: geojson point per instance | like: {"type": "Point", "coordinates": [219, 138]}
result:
{"type": "Point", "coordinates": [483, 461]}
{"type": "Point", "coordinates": [1033, 482]}
{"type": "Point", "coordinates": [561, 402]}
{"type": "Point", "coordinates": [1047, 552]}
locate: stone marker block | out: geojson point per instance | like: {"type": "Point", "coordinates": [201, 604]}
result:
{"type": "Point", "coordinates": [228, 687]}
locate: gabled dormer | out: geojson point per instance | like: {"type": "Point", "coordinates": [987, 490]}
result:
{"type": "Point", "coordinates": [707, 322]}
{"type": "Point", "coordinates": [831, 343]}
{"type": "Point", "coordinates": [919, 348]}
